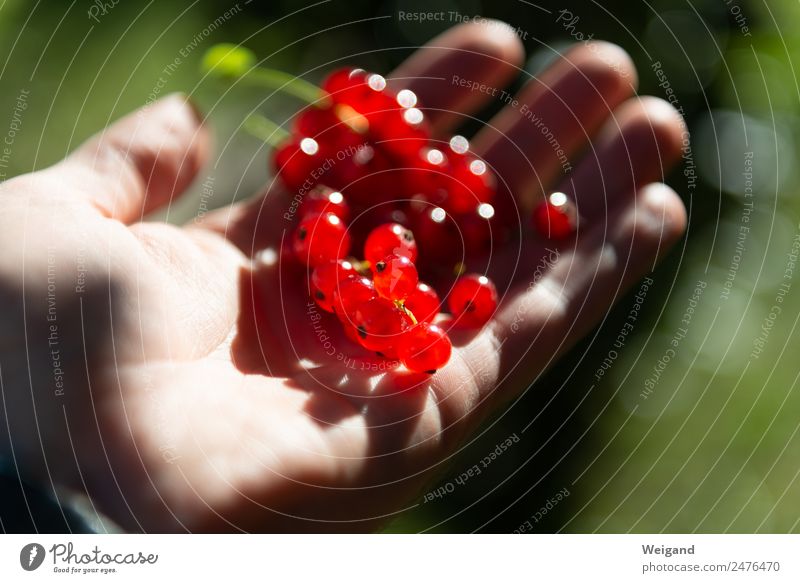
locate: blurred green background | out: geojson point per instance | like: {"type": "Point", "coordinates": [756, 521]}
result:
{"type": "Point", "coordinates": [705, 442]}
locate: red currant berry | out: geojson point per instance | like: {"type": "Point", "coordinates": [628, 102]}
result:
{"type": "Point", "coordinates": [390, 239]}
{"type": "Point", "coordinates": [343, 83]}
{"type": "Point", "coordinates": [423, 302]}
{"type": "Point", "coordinates": [381, 325]}
{"type": "Point", "coordinates": [389, 352]}
{"type": "Point", "coordinates": [395, 277]}
{"type": "Point", "coordinates": [401, 133]}
{"type": "Point", "coordinates": [364, 92]}
{"type": "Point", "coordinates": [325, 281]}
{"type": "Point", "coordinates": [472, 300]}
{"type": "Point", "coordinates": [372, 218]}
{"type": "Point", "coordinates": [348, 166]}
{"type": "Point", "coordinates": [294, 161]}
{"type": "Point", "coordinates": [479, 229]}
{"type": "Point", "coordinates": [321, 238]}
{"type": "Point", "coordinates": [426, 348]}
{"type": "Point", "coordinates": [426, 174]}
{"type": "Point", "coordinates": [320, 123]}
{"type": "Point", "coordinates": [324, 200]}
{"type": "Point", "coordinates": [379, 215]}
{"type": "Point", "coordinates": [439, 236]}
{"type": "Point", "coordinates": [374, 99]}
{"type": "Point", "coordinates": [555, 218]}
{"type": "Point", "coordinates": [351, 294]}
{"type": "Point", "coordinates": [471, 184]}
{"type": "Point", "coordinates": [369, 176]}
{"type": "Point", "coordinates": [352, 333]}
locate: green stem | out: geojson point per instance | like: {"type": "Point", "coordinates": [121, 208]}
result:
{"type": "Point", "coordinates": [265, 129]}
{"type": "Point", "coordinates": [287, 83]}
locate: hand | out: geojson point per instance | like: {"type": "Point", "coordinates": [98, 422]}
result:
{"type": "Point", "coordinates": [175, 375]}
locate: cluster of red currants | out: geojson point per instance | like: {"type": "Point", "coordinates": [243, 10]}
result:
{"type": "Point", "coordinates": [393, 312]}
{"type": "Point", "coordinates": [369, 176]}
{"type": "Point", "coordinates": [374, 146]}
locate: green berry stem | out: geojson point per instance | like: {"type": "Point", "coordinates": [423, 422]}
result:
{"type": "Point", "coordinates": [265, 129]}
{"type": "Point", "coordinates": [287, 83]}
{"type": "Point", "coordinates": [229, 61]}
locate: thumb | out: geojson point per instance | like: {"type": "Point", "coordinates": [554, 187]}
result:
{"type": "Point", "coordinates": [142, 161]}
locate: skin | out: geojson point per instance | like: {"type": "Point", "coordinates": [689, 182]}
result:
{"type": "Point", "coordinates": [196, 395]}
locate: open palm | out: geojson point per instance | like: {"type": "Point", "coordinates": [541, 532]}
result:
{"type": "Point", "coordinates": [200, 392]}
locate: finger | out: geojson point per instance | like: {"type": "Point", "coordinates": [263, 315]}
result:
{"type": "Point", "coordinates": [486, 54]}
{"type": "Point", "coordinates": [572, 292]}
{"type": "Point", "coordinates": [641, 143]}
{"type": "Point", "coordinates": [637, 146]}
{"type": "Point", "coordinates": [142, 161]}
{"type": "Point", "coordinates": [534, 139]}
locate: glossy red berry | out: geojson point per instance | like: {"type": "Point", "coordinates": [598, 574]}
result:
{"type": "Point", "coordinates": [423, 302]}
{"type": "Point", "coordinates": [395, 277]}
{"type": "Point", "coordinates": [472, 183]}
{"type": "Point", "coordinates": [320, 238]}
{"type": "Point", "coordinates": [363, 91]}
{"type": "Point", "coordinates": [368, 177]}
{"type": "Point", "coordinates": [322, 199]}
{"type": "Point", "coordinates": [426, 174]}
{"type": "Point", "coordinates": [426, 348]}
{"type": "Point", "coordinates": [352, 333]}
{"type": "Point", "coordinates": [374, 99]}
{"type": "Point", "coordinates": [380, 215]}
{"type": "Point", "coordinates": [351, 294]}
{"type": "Point", "coordinates": [390, 239]}
{"type": "Point", "coordinates": [381, 325]}
{"type": "Point", "coordinates": [479, 228]}
{"type": "Point", "coordinates": [472, 301]}
{"type": "Point", "coordinates": [440, 238]}
{"type": "Point", "coordinates": [325, 281]}
{"type": "Point", "coordinates": [555, 218]}
{"type": "Point", "coordinates": [320, 123]}
{"type": "Point", "coordinates": [344, 83]}
{"type": "Point", "coordinates": [400, 132]}
{"type": "Point", "coordinates": [295, 160]}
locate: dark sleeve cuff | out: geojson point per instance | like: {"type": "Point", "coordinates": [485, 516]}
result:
{"type": "Point", "coordinates": [25, 508]}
